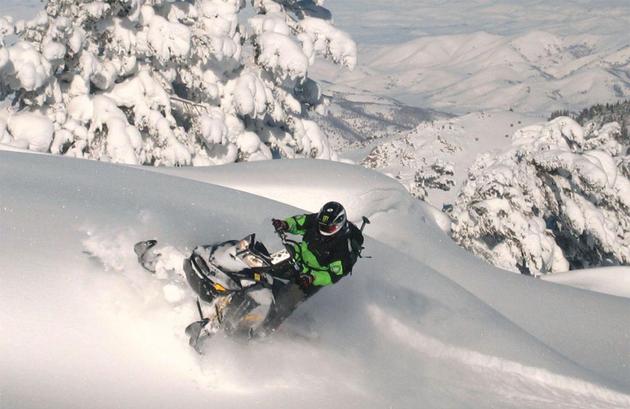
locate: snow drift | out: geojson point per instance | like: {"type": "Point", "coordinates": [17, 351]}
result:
{"type": "Point", "coordinates": [89, 328]}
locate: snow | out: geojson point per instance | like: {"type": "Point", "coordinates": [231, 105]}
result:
{"type": "Point", "coordinates": [279, 53]}
{"type": "Point", "coordinates": [250, 95]}
{"type": "Point", "coordinates": [85, 317]}
{"type": "Point", "coordinates": [396, 21]}
{"type": "Point", "coordinates": [462, 73]}
{"type": "Point", "coordinates": [442, 147]}
{"type": "Point", "coordinates": [248, 142]}
{"type": "Point", "coordinates": [30, 131]}
{"type": "Point", "coordinates": [167, 39]}
{"type": "Point", "coordinates": [391, 211]}
{"type": "Point", "coordinates": [331, 42]}
{"type": "Point", "coordinates": [53, 50]}
{"type": "Point", "coordinates": [531, 56]}
{"type": "Point", "coordinates": [163, 67]}
{"type": "Point", "coordinates": [422, 323]}
{"type": "Point", "coordinates": [607, 280]}
{"type": "Point", "coordinates": [550, 201]}
{"type": "Point", "coordinates": [26, 68]}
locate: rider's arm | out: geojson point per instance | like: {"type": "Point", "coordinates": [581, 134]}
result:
{"type": "Point", "coordinates": [297, 224]}
{"type": "Point", "coordinates": [329, 274]}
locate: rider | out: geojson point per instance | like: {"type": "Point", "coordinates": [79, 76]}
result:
{"type": "Point", "coordinates": [329, 248]}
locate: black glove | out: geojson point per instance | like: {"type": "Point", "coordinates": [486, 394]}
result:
{"type": "Point", "coordinates": [305, 281]}
{"type": "Point", "coordinates": [280, 225]}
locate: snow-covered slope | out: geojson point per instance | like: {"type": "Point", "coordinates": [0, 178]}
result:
{"type": "Point", "coordinates": [607, 280]}
{"type": "Point", "coordinates": [19, 9]}
{"type": "Point", "coordinates": [354, 119]}
{"type": "Point", "coordinates": [534, 72]}
{"type": "Point", "coordinates": [407, 225]}
{"type": "Point", "coordinates": [397, 217]}
{"type": "Point", "coordinates": [95, 330]}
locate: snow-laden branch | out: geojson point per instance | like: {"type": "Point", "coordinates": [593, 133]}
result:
{"type": "Point", "coordinates": [168, 82]}
{"type": "Point", "coordinates": [557, 199]}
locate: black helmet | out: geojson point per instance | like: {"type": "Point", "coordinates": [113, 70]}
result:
{"type": "Point", "coordinates": [331, 218]}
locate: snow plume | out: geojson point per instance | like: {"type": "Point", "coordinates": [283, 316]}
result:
{"type": "Point", "coordinates": [169, 83]}
{"type": "Point", "coordinates": [112, 250]}
{"type": "Point", "coordinates": [555, 200]}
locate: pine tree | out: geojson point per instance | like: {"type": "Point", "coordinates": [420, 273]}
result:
{"type": "Point", "coordinates": [169, 82]}
{"type": "Point", "coordinates": [559, 198]}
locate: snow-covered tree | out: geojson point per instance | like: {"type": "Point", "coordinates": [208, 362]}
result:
{"type": "Point", "coordinates": [559, 198]}
{"type": "Point", "coordinates": [168, 82]}
{"type": "Point", "coordinates": [417, 160]}
{"type": "Point", "coordinates": [438, 175]}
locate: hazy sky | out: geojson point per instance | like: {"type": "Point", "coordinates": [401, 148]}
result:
{"type": "Point", "coordinates": [394, 21]}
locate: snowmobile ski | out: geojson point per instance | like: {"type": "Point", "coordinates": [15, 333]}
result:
{"type": "Point", "coordinates": [147, 257]}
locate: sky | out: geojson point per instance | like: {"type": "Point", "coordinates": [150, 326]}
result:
{"type": "Point", "coordinates": [394, 21]}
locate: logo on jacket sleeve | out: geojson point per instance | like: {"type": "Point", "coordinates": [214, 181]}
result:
{"type": "Point", "coordinates": [336, 268]}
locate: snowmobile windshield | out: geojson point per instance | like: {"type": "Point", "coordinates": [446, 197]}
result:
{"type": "Point", "coordinates": [246, 250]}
{"type": "Point", "coordinates": [243, 245]}
{"type": "Point", "coordinates": [253, 260]}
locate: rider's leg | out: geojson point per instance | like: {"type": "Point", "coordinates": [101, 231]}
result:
{"type": "Point", "coordinates": [287, 299]}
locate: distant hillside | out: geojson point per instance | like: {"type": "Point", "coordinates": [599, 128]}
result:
{"type": "Point", "coordinates": [354, 119]}
{"type": "Point", "coordinates": [537, 72]}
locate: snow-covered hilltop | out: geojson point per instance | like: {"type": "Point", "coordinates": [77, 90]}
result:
{"type": "Point", "coordinates": [422, 323]}
{"type": "Point", "coordinates": [398, 21]}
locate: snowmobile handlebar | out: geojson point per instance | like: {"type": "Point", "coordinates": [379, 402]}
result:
{"type": "Point", "coordinates": [283, 237]}
{"type": "Point", "coordinates": [288, 243]}
{"type": "Point", "coordinates": [289, 246]}
{"type": "Point", "coordinates": [365, 221]}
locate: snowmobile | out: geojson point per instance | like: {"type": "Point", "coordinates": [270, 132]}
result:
{"type": "Point", "coordinates": [236, 279]}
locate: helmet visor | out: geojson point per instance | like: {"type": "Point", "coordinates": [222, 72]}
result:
{"type": "Point", "coordinates": [328, 230]}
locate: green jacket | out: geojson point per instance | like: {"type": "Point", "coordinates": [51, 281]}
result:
{"type": "Point", "coordinates": [326, 258]}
